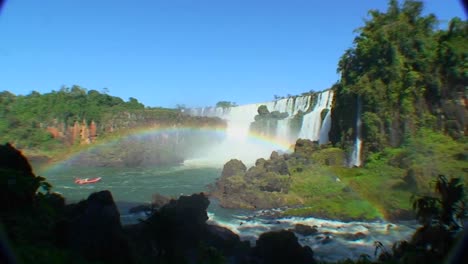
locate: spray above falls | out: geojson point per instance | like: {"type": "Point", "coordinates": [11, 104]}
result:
{"type": "Point", "coordinates": [255, 130]}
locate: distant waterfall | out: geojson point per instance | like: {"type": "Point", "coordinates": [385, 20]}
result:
{"type": "Point", "coordinates": [356, 155]}
{"type": "Point", "coordinates": [240, 117]}
{"type": "Point", "coordinates": [312, 122]}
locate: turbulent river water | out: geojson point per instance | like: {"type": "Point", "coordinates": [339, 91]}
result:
{"type": "Point", "coordinates": [335, 240]}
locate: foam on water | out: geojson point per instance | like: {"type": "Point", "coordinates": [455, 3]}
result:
{"type": "Point", "coordinates": [334, 240]}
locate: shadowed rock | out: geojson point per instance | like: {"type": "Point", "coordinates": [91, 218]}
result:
{"type": "Point", "coordinates": [18, 184]}
{"type": "Point", "coordinates": [305, 230]}
{"type": "Point", "coordinates": [281, 247]}
{"type": "Point", "coordinates": [96, 232]}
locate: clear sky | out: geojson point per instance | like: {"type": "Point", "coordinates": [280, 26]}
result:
{"type": "Point", "coordinates": [192, 52]}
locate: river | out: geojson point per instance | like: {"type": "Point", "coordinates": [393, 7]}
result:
{"type": "Point", "coordinates": [335, 240]}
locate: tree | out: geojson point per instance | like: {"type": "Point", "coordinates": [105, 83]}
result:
{"type": "Point", "coordinates": [406, 73]}
{"type": "Point", "coordinates": [441, 217]}
{"type": "Point", "coordinates": [448, 210]}
{"type": "Point", "coordinates": [225, 104]}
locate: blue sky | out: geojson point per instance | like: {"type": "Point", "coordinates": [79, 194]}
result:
{"type": "Point", "coordinates": [168, 52]}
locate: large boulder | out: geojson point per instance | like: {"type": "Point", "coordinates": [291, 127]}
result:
{"type": "Point", "coordinates": [233, 167]}
{"type": "Point", "coordinates": [278, 166]}
{"type": "Point", "coordinates": [95, 231]}
{"type": "Point", "coordinates": [178, 232]}
{"type": "Point", "coordinates": [305, 148]}
{"type": "Point", "coordinates": [159, 200]}
{"type": "Point", "coordinates": [305, 230]}
{"type": "Point", "coordinates": [18, 184]}
{"type": "Point", "coordinates": [281, 247]}
{"type": "Point", "coordinates": [178, 226]}
{"type": "Point", "coordinates": [13, 159]}
{"type": "Point", "coordinates": [273, 182]}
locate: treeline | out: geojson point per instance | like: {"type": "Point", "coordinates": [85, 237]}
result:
{"type": "Point", "coordinates": [23, 119]}
{"type": "Point", "coordinates": [409, 75]}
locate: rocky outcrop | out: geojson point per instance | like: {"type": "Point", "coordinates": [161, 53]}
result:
{"type": "Point", "coordinates": [281, 247]}
{"type": "Point", "coordinates": [304, 148]}
{"type": "Point", "coordinates": [159, 200]}
{"type": "Point", "coordinates": [305, 230]}
{"type": "Point", "coordinates": [78, 133]}
{"type": "Point", "coordinates": [266, 122]}
{"type": "Point", "coordinates": [95, 231]}
{"type": "Point", "coordinates": [233, 167]}
{"type": "Point", "coordinates": [178, 233]}
{"type": "Point", "coordinates": [261, 186]}
{"type": "Point", "coordinates": [18, 183]}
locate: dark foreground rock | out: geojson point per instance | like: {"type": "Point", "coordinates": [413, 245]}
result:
{"type": "Point", "coordinates": [95, 231]}
{"type": "Point", "coordinates": [178, 233]}
{"type": "Point", "coordinates": [305, 230]}
{"type": "Point", "coordinates": [281, 247]}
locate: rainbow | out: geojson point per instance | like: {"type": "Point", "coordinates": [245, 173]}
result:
{"type": "Point", "coordinates": [255, 138]}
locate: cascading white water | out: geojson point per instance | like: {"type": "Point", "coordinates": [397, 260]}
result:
{"type": "Point", "coordinates": [238, 144]}
{"type": "Point", "coordinates": [312, 122]}
{"type": "Point", "coordinates": [356, 155]}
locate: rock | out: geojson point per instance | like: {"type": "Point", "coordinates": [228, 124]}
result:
{"type": "Point", "coordinates": [179, 225]}
{"type": "Point", "coordinates": [354, 237]}
{"type": "Point", "coordinates": [13, 159]}
{"type": "Point", "coordinates": [96, 232]}
{"type": "Point", "coordinates": [410, 178]}
{"type": "Point", "coordinates": [274, 155]}
{"type": "Point", "coordinates": [305, 230]}
{"type": "Point", "coordinates": [178, 232]}
{"type": "Point", "coordinates": [305, 147]}
{"type": "Point", "coordinates": [281, 247]}
{"type": "Point", "coordinates": [159, 200]}
{"type": "Point", "coordinates": [277, 165]}
{"type": "Point", "coordinates": [346, 189]}
{"type": "Point", "coordinates": [233, 167]}
{"type": "Point", "coordinates": [17, 180]}
{"type": "Point", "coordinates": [272, 182]}
{"type": "Point", "coordinates": [225, 240]}
{"type": "Point", "coordinates": [255, 172]}
{"type": "Point", "coordinates": [260, 162]}
{"type": "Point", "coordinates": [263, 110]}
{"type": "Point", "coordinates": [326, 240]}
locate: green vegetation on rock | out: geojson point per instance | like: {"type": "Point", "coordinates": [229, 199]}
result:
{"type": "Point", "coordinates": [266, 122]}
{"type": "Point", "coordinates": [409, 76]}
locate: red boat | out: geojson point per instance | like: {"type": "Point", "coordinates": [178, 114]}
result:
{"type": "Point", "coordinates": [87, 180]}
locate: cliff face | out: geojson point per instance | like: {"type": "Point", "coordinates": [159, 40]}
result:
{"type": "Point", "coordinates": [407, 75]}
{"type": "Point", "coordinates": [448, 115]}
{"type": "Point", "coordinates": [78, 133]}
{"type": "Point", "coordinates": [169, 138]}
{"type": "Point", "coordinates": [83, 132]}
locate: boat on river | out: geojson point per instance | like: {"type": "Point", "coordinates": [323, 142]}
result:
{"type": "Point", "coordinates": [87, 180]}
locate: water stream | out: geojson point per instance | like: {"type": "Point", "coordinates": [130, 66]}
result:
{"type": "Point", "coordinates": [334, 240]}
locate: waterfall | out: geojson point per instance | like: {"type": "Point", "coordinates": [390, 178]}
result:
{"type": "Point", "coordinates": [312, 122]}
{"type": "Point", "coordinates": [356, 155]}
{"type": "Point", "coordinates": [239, 143]}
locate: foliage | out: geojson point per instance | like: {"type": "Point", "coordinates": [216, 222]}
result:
{"type": "Point", "coordinates": [24, 118]}
{"type": "Point", "coordinates": [408, 74]}
{"type": "Point", "coordinates": [448, 210]}
{"type": "Point", "coordinates": [441, 217]}
{"type": "Point", "coordinates": [225, 104]}
{"type": "Point", "coordinates": [266, 122]}
{"type": "Point", "coordinates": [48, 125]}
